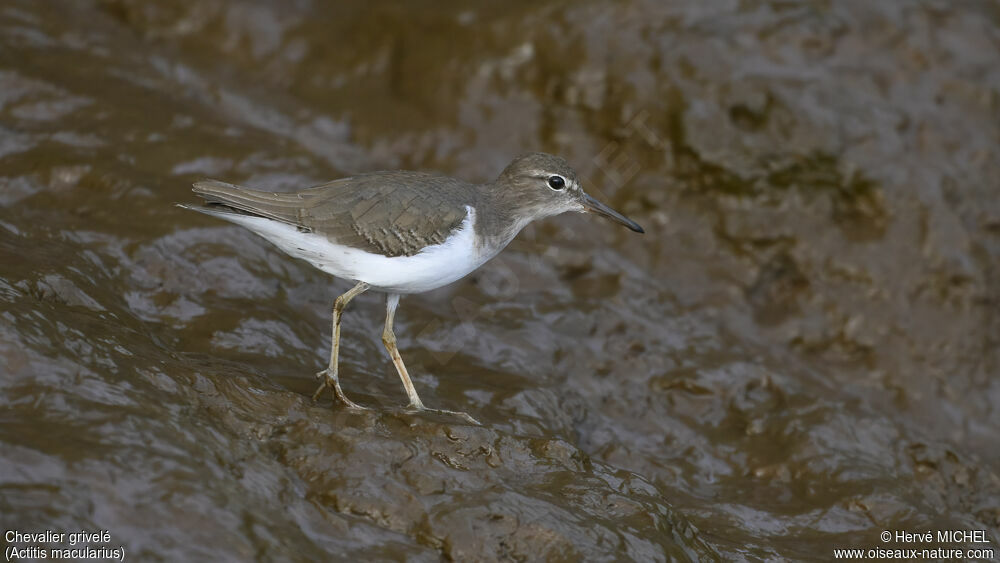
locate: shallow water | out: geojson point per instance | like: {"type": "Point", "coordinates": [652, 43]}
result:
{"type": "Point", "coordinates": [799, 354]}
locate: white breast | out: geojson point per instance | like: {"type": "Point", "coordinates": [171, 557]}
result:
{"type": "Point", "coordinates": [432, 267]}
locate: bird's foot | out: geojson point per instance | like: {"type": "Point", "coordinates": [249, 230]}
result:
{"type": "Point", "coordinates": [419, 408]}
{"type": "Point", "coordinates": [329, 380]}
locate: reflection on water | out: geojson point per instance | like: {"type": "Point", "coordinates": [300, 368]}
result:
{"type": "Point", "coordinates": [800, 353]}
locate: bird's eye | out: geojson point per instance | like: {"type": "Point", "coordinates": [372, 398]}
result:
{"type": "Point", "coordinates": [557, 182]}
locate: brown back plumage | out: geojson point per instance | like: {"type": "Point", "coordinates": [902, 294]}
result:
{"type": "Point", "coordinates": [392, 213]}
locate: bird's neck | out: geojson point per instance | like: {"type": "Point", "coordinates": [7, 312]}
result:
{"type": "Point", "coordinates": [498, 220]}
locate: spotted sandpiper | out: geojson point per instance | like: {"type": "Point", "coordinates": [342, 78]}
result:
{"type": "Point", "coordinates": [402, 232]}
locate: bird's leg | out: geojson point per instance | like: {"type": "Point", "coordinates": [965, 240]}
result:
{"type": "Point", "coordinates": [389, 339]}
{"type": "Point", "coordinates": [329, 375]}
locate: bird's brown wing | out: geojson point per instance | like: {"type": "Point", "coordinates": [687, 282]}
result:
{"type": "Point", "coordinates": [390, 213]}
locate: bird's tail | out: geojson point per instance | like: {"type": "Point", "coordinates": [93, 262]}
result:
{"type": "Point", "coordinates": [222, 198]}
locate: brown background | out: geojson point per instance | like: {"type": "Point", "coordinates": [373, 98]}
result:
{"type": "Point", "coordinates": [800, 353]}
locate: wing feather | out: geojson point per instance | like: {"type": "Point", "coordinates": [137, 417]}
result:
{"type": "Point", "coordinates": [391, 213]}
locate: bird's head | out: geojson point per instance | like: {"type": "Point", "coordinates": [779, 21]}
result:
{"type": "Point", "coordinates": [540, 185]}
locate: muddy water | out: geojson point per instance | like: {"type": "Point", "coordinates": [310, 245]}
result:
{"type": "Point", "coordinates": [799, 354]}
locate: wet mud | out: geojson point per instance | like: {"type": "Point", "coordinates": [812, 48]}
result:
{"type": "Point", "coordinates": [800, 353]}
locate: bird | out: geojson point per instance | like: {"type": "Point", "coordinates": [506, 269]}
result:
{"type": "Point", "coordinates": [402, 232]}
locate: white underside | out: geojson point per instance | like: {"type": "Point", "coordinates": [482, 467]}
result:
{"type": "Point", "coordinates": [432, 267]}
